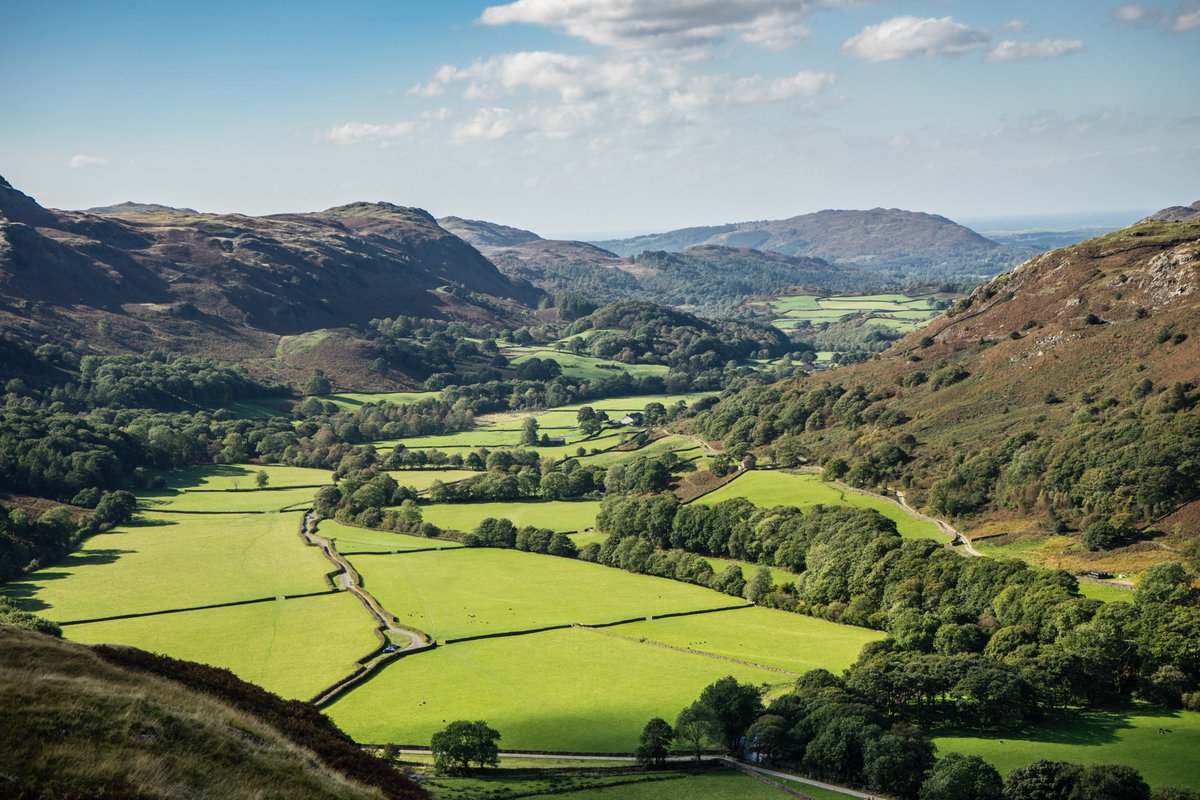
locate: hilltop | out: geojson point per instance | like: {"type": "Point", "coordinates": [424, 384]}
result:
{"type": "Point", "coordinates": [880, 240]}
{"type": "Point", "coordinates": [1056, 396]}
{"type": "Point", "coordinates": [481, 233]}
{"type": "Point", "coordinates": [231, 284]}
{"type": "Point", "coordinates": [84, 722]}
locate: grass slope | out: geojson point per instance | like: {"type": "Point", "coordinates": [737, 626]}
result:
{"type": "Point", "coordinates": [350, 539]}
{"type": "Point", "coordinates": [477, 591]}
{"type": "Point", "coordinates": [294, 648]}
{"type": "Point", "coordinates": [75, 725]}
{"type": "Point", "coordinates": [557, 515]}
{"type": "Point", "coordinates": [226, 502]}
{"type": "Point", "coordinates": [164, 561]}
{"type": "Point", "coordinates": [761, 635]}
{"type": "Point", "coordinates": [775, 488]}
{"type": "Point", "coordinates": [241, 477]}
{"type": "Point", "coordinates": [570, 690]}
{"type": "Point", "coordinates": [725, 784]}
{"type": "Point", "coordinates": [1127, 735]}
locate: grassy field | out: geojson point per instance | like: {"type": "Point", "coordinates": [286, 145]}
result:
{"type": "Point", "coordinates": [1106, 592]}
{"type": "Point", "coordinates": [779, 576]}
{"type": "Point", "coordinates": [239, 502]}
{"type": "Point", "coordinates": [684, 446]}
{"type": "Point", "coordinates": [891, 310]}
{"type": "Point", "coordinates": [761, 635]}
{"type": "Point", "coordinates": [294, 648]}
{"type": "Point", "coordinates": [775, 487]}
{"type": "Point", "coordinates": [357, 399]}
{"type": "Point", "coordinates": [1125, 736]}
{"type": "Point", "coordinates": [422, 479]}
{"type": "Point", "coordinates": [164, 561]}
{"type": "Point", "coordinates": [570, 690]}
{"type": "Point", "coordinates": [557, 515]}
{"type": "Point", "coordinates": [476, 591]}
{"type": "Point", "coordinates": [241, 477]}
{"type": "Point", "coordinates": [816, 792]}
{"type": "Point", "coordinates": [583, 367]}
{"type": "Point", "coordinates": [349, 539]}
{"type": "Point", "coordinates": [725, 784]}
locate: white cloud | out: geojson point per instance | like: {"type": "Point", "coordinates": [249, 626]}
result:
{"type": "Point", "coordinates": [1187, 20]}
{"type": "Point", "coordinates": [1046, 48]}
{"type": "Point", "coordinates": [358, 132]}
{"type": "Point", "coordinates": [1016, 25]}
{"type": "Point", "coordinates": [80, 161]}
{"type": "Point", "coordinates": [904, 37]}
{"type": "Point", "coordinates": [1185, 17]}
{"type": "Point", "coordinates": [1133, 12]}
{"type": "Point", "coordinates": [488, 124]}
{"type": "Point", "coordinates": [665, 24]}
{"type": "Point", "coordinates": [759, 90]}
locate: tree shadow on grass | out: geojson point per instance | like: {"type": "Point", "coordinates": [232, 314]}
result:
{"type": "Point", "coordinates": [1092, 727]}
{"type": "Point", "coordinates": [24, 592]}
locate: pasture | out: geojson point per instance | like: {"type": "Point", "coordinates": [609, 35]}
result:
{"type": "Point", "coordinates": [294, 648]}
{"type": "Point", "coordinates": [769, 488]}
{"type": "Point", "coordinates": [1128, 735]}
{"type": "Point", "coordinates": [240, 477]}
{"type": "Point", "coordinates": [556, 690]}
{"type": "Point", "coordinates": [763, 636]}
{"type": "Point", "coordinates": [583, 367]}
{"type": "Point", "coordinates": [350, 539]}
{"type": "Point", "coordinates": [557, 515]}
{"type": "Point", "coordinates": [422, 479]}
{"type": "Point", "coordinates": [164, 561]}
{"type": "Point", "coordinates": [895, 311]}
{"type": "Point", "coordinates": [352, 400]}
{"type": "Point", "coordinates": [1107, 592]}
{"type": "Point", "coordinates": [779, 575]}
{"type": "Point", "coordinates": [475, 591]}
{"type": "Point", "coordinates": [239, 502]}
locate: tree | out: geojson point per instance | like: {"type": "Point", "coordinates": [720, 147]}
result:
{"type": "Point", "coordinates": [959, 777]}
{"type": "Point", "coordinates": [655, 743]}
{"type": "Point", "coordinates": [768, 736]}
{"type": "Point", "coordinates": [529, 432]}
{"type": "Point", "coordinates": [897, 764]}
{"type": "Point", "coordinates": [692, 728]}
{"type": "Point", "coordinates": [261, 478]}
{"type": "Point", "coordinates": [463, 743]}
{"type": "Point", "coordinates": [760, 584]}
{"type": "Point", "coordinates": [1110, 782]}
{"type": "Point", "coordinates": [318, 384]}
{"type": "Point", "coordinates": [1042, 780]}
{"type": "Point", "coordinates": [732, 708]}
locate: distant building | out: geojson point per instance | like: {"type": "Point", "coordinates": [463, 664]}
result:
{"type": "Point", "coordinates": [632, 418]}
{"type": "Point", "coordinates": [556, 441]}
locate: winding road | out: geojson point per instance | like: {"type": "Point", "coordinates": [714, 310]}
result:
{"type": "Point", "coordinates": [956, 537]}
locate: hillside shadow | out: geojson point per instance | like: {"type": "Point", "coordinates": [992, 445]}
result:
{"type": "Point", "coordinates": [1084, 728]}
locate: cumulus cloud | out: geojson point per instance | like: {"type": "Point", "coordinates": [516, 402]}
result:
{"type": "Point", "coordinates": [665, 24]}
{"type": "Point", "coordinates": [1046, 48]}
{"type": "Point", "coordinates": [1015, 25]}
{"type": "Point", "coordinates": [905, 37]}
{"type": "Point", "coordinates": [1185, 17]}
{"type": "Point", "coordinates": [79, 161]}
{"type": "Point", "coordinates": [1187, 20]}
{"type": "Point", "coordinates": [358, 132]}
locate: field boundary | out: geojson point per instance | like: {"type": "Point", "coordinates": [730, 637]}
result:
{"type": "Point", "coordinates": [690, 651]}
{"type": "Point", "coordinates": [229, 604]}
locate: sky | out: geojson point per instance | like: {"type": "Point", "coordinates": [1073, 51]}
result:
{"type": "Point", "coordinates": [595, 118]}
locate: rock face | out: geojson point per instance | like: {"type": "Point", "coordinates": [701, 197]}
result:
{"type": "Point", "coordinates": [879, 238]}
{"type": "Point", "coordinates": [1175, 213]}
{"type": "Point", "coordinates": [284, 274]}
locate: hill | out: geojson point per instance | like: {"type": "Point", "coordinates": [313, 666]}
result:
{"type": "Point", "coordinates": [705, 276]}
{"type": "Point", "coordinates": [1057, 397]}
{"type": "Point", "coordinates": [879, 240]}
{"type": "Point", "coordinates": [80, 722]}
{"type": "Point", "coordinates": [481, 234]}
{"type": "Point", "coordinates": [232, 285]}
{"type": "Point", "coordinates": [130, 207]}
{"type": "Point", "coordinates": [1175, 213]}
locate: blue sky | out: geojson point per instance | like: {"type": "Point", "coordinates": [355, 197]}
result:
{"type": "Point", "coordinates": [596, 117]}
